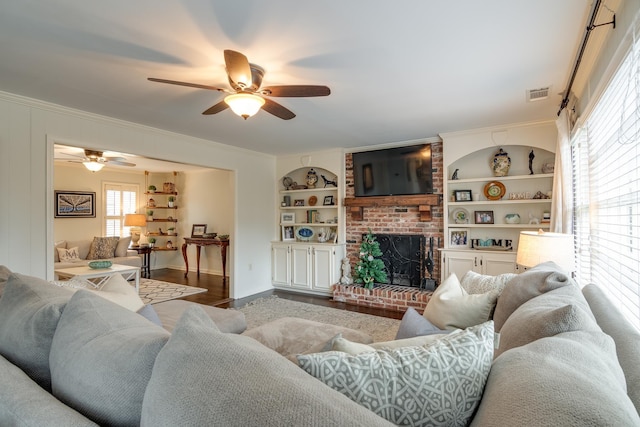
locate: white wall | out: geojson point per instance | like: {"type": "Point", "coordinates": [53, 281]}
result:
{"type": "Point", "coordinates": [28, 130]}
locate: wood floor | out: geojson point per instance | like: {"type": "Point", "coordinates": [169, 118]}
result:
{"type": "Point", "coordinates": [218, 293]}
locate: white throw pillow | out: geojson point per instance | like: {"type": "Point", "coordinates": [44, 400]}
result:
{"type": "Point", "coordinates": [475, 283]}
{"type": "Point", "coordinates": [123, 246]}
{"type": "Point", "coordinates": [118, 290]}
{"type": "Point", "coordinates": [451, 307]}
{"type": "Point", "coordinates": [69, 255]}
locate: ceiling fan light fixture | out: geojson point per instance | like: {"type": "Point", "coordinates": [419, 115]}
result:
{"type": "Point", "coordinates": [93, 165]}
{"type": "Point", "coordinates": [244, 104]}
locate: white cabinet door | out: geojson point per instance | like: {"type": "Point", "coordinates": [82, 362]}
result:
{"type": "Point", "coordinates": [458, 263]}
{"type": "Point", "coordinates": [492, 264]}
{"type": "Point", "coordinates": [495, 264]}
{"type": "Point", "coordinates": [301, 266]}
{"type": "Point", "coordinates": [323, 267]}
{"type": "Point", "coordinates": [280, 265]}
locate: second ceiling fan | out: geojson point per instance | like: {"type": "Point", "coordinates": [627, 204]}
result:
{"type": "Point", "coordinates": [248, 96]}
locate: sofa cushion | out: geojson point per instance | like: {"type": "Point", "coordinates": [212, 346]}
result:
{"type": "Point", "coordinates": [24, 403]}
{"type": "Point", "coordinates": [122, 247]}
{"type": "Point", "coordinates": [476, 283]}
{"type": "Point", "coordinates": [414, 324]}
{"type": "Point", "coordinates": [625, 335]}
{"type": "Point", "coordinates": [101, 359]}
{"type": "Point", "coordinates": [451, 307]}
{"type": "Point", "coordinates": [231, 380]}
{"type": "Point", "coordinates": [226, 320]}
{"type": "Point", "coordinates": [438, 384]}
{"type": "Point", "coordinates": [103, 247]}
{"type": "Point", "coordinates": [4, 276]}
{"type": "Point", "coordinates": [536, 281]}
{"type": "Point", "coordinates": [571, 379]}
{"type": "Point", "coordinates": [83, 246]}
{"type": "Point", "coordinates": [68, 255]}
{"type": "Point", "coordinates": [561, 310]}
{"type": "Point", "coordinates": [149, 313]}
{"type": "Point", "coordinates": [30, 309]}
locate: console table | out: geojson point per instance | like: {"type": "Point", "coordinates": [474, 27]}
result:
{"type": "Point", "coordinates": [199, 242]}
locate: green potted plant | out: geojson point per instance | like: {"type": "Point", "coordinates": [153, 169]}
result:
{"type": "Point", "coordinates": [149, 215]}
{"type": "Point", "coordinates": [152, 241]}
{"type": "Point", "coordinates": [171, 230]}
{"type": "Point", "coordinates": [151, 188]}
{"type": "Point", "coordinates": [171, 200]}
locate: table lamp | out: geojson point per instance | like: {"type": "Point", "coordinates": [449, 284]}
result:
{"type": "Point", "coordinates": [535, 247]}
{"type": "Point", "coordinates": [135, 221]}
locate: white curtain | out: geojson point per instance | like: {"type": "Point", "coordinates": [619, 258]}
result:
{"type": "Point", "coordinates": [562, 198]}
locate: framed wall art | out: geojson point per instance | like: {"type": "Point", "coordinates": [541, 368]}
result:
{"type": "Point", "coordinates": [198, 230]}
{"type": "Point", "coordinates": [287, 218]}
{"type": "Point", "coordinates": [328, 201]}
{"type": "Point", "coordinates": [75, 204]}
{"type": "Point", "coordinates": [462, 195]}
{"type": "Point", "coordinates": [484, 217]}
{"type": "Point", "coordinates": [288, 233]}
{"type": "Point", "coordinates": [458, 238]}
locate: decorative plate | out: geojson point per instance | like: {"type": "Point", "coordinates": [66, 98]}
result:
{"type": "Point", "coordinates": [460, 216]}
{"type": "Point", "coordinates": [100, 264]}
{"type": "Point", "coordinates": [305, 233]}
{"type": "Point", "coordinates": [313, 200]}
{"type": "Point", "coordinates": [494, 190]}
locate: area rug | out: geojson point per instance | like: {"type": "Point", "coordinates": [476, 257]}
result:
{"type": "Point", "coordinates": [155, 291]}
{"type": "Point", "coordinates": [264, 310]}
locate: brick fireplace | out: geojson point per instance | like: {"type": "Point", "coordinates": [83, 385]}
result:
{"type": "Point", "coordinates": [392, 220]}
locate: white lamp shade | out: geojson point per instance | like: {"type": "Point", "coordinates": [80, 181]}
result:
{"type": "Point", "coordinates": [93, 166]}
{"type": "Point", "coordinates": [135, 220]}
{"type": "Point", "coordinates": [535, 247]}
{"type": "Point", "coordinates": [244, 104]}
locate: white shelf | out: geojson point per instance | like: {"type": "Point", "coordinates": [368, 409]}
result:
{"type": "Point", "coordinates": [307, 190]}
{"type": "Point", "coordinates": [309, 207]}
{"type": "Point", "coordinates": [309, 224]}
{"type": "Point", "coordinates": [500, 202]}
{"type": "Point", "coordinates": [516, 226]}
{"type": "Point", "coordinates": [500, 178]}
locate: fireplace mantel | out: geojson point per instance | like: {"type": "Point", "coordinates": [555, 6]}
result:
{"type": "Point", "coordinates": [424, 202]}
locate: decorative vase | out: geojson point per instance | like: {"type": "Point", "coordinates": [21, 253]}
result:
{"type": "Point", "coordinates": [513, 218]}
{"type": "Point", "coordinates": [501, 163]}
{"type": "Point", "coordinates": [312, 178]}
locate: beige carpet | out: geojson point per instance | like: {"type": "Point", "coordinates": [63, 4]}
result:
{"type": "Point", "coordinates": [155, 291]}
{"type": "Point", "coordinates": [264, 310]}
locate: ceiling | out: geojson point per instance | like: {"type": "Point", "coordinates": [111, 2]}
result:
{"type": "Point", "coordinates": [398, 71]}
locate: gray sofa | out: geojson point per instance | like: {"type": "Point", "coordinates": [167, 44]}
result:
{"type": "Point", "coordinates": [122, 255]}
{"type": "Point", "coordinates": [565, 358]}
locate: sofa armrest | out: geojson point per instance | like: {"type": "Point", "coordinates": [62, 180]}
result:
{"type": "Point", "coordinates": [131, 252]}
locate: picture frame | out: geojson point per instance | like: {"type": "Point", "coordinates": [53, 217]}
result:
{"type": "Point", "coordinates": [287, 218]}
{"type": "Point", "coordinates": [458, 238]}
{"type": "Point", "coordinates": [75, 204]}
{"type": "Point", "coordinates": [328, 201]}
{"type": "Point", "coordinates": [484, 217]}
{"type": "Point", "coordinates": [462, 195]}
{"type": "Point", "coordinates": [298, 202]}
{"type": "Point", "coordinates": [198, 230]}
{"type": "Point", "coordinates": [288, 233]}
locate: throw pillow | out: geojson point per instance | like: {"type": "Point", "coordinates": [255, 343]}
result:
{"type": "Point", "coordinates": [150, 314]}
{"type": "Point", "coordinates": [414, 324]}
{"type": "Point", "coordinates": [451, 307]}
{"type": "Point", "coordinates": [103, 247]}
{"type": "Point", "coordinates": [232, 380]}
{"type": "Point", "coordinates": [342, 344]}
{"type": "Point", "coordinates": [56, 245]}
{"type": "Point", "coordinates": [69, 255]}
{"type": "Point", "coordinates": [122, 246]}
{"type": "Point", "coordinates": [30, 309]}
{"type": "Point", "coordinates": [475, 283]}
{"type": "Point", "coordinates": [438, 384]}
{"type": "Point", "coordinates": [119, 291]}
{"type": "Point", "coordinates": [4, 276]}
{"type": "Point", "coordinates": [101, 359]}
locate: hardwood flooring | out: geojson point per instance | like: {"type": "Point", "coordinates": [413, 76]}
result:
{"type": "Point", "coordinates": [218, 293]}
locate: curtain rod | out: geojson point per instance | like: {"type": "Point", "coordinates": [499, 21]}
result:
{"type": "Point", "coordinates": [585, 39]}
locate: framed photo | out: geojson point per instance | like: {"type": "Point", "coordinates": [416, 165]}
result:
{"type": "Point", "coordinates": [287, 233]}
{"type": "Point", "coordinates": [198, 230]}
{"type": "Point", "coordinates": [484, 217]}
{"type": "Point", "coordinates": [458, 238]}
{"type": "Point", "coordinates": [75, 204]}
{"type": "Point", "coordinates": [298, 202]}
{"type": "Point", "coordinates": [287, 218]}
{"type": "Point", "coordinates": [328, 201]}
{"type": "Point", "coordinates": [462, 195]}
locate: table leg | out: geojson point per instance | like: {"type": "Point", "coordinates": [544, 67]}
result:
{"type": "Point", "coordinates": [138, 281]}
{"type": "Point", "coordinates": [198, 259]}
{"type": "Point", "coordinates": [186, 261]}
{"type": "Point", "coordinates": [223, 252]}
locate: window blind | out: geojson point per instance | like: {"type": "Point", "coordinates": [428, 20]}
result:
{"type": "Point", "coordinates": [120, 199]}
{"type": "Point", "coordinates": [606, 184]}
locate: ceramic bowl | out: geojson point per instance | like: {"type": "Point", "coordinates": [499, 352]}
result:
{"type": "Point", "coordinates": [512, 218]}
{"type": "Point", "coordinates": [100, 264]}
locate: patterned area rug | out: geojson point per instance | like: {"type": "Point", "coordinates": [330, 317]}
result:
{"type": "Point", "coordinates": [264, 310]}
{"type": "Point", "coordinates": [155, 291]}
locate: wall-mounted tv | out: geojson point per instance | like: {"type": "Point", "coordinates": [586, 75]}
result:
{"type": "Point", "coordinates": [393, 171]}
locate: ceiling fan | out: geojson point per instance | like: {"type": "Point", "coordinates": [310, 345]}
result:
{"type": "Point", "coordinates": [247, 96]}
{"type": "Point", "coordinates": [94, 160]}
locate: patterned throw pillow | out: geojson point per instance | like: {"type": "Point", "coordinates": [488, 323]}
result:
{"type": "Point", "coordinates": [69, 255]}
{"type": "Point", "coordinates": [438, 384]}
{"type": "Point", "coordinates": [475, 283]}
{"type": "Point", "coordinates": [103, 247]}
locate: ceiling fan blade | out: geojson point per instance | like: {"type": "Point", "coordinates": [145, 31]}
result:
{"type": "Point", "coordinates": [196, 85]}
{"type": "Point", "coordinates": [117, 162]}
{"type": "Point", "coordinates": [277, 110]}
{"type": "Point", "coordinates": [296, 90]}
{"type": "Point", "coordinates": [238, 69]}
{"type": "Point", "coordinates": [115, 159]}
{"type": "Point", "coordinates": [220, 106]}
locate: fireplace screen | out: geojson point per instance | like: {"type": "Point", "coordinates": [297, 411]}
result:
{"type": "Point", "coordinates": [403, 257]}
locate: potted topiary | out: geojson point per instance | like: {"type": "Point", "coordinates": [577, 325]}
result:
{"type": "Point", "coordinates": [171, 200]}
{"type": "Point", "coordinates": [151, 188]}
{"type": "Point", "coordinates": [149, 215]}
{"type": "Point", "coordinates": [171, 230]}
{"type": "Point", "coordinates": [152, 242]}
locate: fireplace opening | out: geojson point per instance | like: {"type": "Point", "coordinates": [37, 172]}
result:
{"type": "Point", "coordinates": [403, 257]}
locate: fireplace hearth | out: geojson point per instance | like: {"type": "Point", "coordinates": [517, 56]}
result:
{"type": "Point", "coordinates": [403, 257]}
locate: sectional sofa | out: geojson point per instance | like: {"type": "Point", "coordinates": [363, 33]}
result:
{"type": "Point", "coordinates": [564, 357]}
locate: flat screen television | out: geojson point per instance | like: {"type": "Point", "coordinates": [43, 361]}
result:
{"type": "Point", "coordinates": [393, 171]}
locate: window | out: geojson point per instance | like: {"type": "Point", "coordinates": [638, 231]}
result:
{"type": "Point", "coordinates": [119, 199]}
{"type": "Point", "coordinates": [606, 184]}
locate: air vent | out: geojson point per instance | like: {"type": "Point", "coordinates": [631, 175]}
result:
{"type": "Point", "coordinates": [537, 94]}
